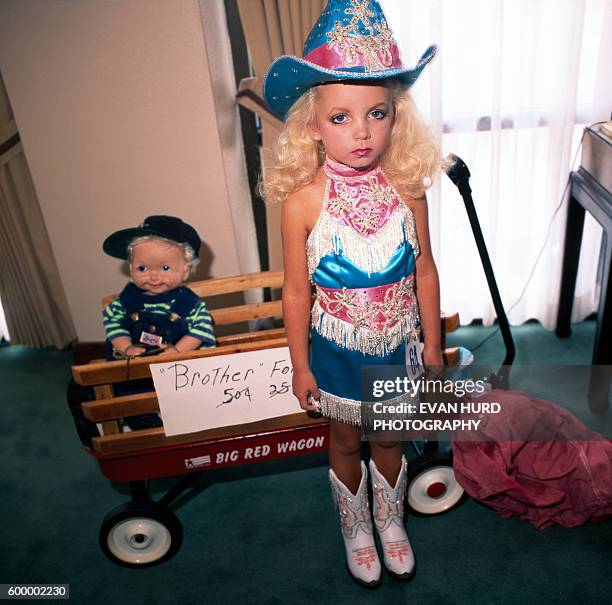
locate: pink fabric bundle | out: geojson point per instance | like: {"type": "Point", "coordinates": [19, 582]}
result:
{"type": "Point", "coordinates": [535, 460]}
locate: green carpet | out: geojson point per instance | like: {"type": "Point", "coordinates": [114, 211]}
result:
{"type": "Point", "coordinates": [267, 533]}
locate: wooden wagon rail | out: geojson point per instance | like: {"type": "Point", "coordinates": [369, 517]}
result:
{"type": "Point", "coordinates": [109, 410]}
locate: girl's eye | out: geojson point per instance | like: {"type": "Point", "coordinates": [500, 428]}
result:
{"type": "Point", "coordinates": [141, 268]}
{"type": "Point", "coordinates": [166, 268]}
{"type": "Point", "coordinates": [378, 114]}
{"type": "Point", "coordinates": [339, 118]}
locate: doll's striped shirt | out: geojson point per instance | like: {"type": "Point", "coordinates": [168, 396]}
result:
{"type": "Point", "coordinates": [199, 321]}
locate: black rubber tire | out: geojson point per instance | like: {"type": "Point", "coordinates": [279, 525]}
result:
{"type": "Point", "coordinates": [140, 534]}
{"type": "Point", "coordinates": [432, 463]}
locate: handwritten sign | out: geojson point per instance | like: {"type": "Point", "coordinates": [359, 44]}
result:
{"type": "Point", "coordinates": [199, 394]}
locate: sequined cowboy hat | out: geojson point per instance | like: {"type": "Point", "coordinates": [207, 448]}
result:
{"type": "Point", "coordinates": [350, 41]}
{"type": "Point", "coordinates": [168, 227]}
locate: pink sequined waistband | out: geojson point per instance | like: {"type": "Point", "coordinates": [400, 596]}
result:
{"type": "Point", "coordinates": [376, 309]}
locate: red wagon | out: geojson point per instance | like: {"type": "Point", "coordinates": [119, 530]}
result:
{"type": "Point", "coordinates": [144, 532]}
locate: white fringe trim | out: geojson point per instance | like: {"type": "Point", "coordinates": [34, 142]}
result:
{"type": "Point", "coordinates": [350, 410]}
{"type": "Point", "coordinates": [345, 335]}
{"type": "Point", "coordinates": [372, 254]}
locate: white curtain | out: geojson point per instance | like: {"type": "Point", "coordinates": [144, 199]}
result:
{"type": "Point", "coordinates": [4, 333]}
{"type": "Point", "coordinates": [513, 85]}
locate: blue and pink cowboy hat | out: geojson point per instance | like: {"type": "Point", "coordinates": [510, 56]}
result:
{"type": "Point", "coordinates": [350, 41]}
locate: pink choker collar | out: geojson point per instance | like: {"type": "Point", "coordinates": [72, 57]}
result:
{"type": "Point", "coordinates": [336, 169]}
{"type": "Point", "coordinates": [362, 200]}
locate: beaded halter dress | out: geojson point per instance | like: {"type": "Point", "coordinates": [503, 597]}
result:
{"type": "Point", "coordinates": [361, 258]}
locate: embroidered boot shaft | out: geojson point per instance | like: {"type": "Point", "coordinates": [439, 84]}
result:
{"type": "Point", "coordinates": [356, 525]}
{"type": "Point", "coordinates": [389, 520]}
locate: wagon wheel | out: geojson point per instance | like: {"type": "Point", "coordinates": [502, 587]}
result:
{"type": "Point", "coordinates": [140, 534]}
{"type": "Point", "coordinates": [432, 487]}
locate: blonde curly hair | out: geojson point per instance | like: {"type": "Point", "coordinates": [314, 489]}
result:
{"type": "Point", "coordinates": [410, 161]}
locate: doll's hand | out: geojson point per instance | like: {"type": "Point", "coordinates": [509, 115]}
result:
{"type": "Point", "coordinates": [184, 345]}
{"type": "Point", "coordinates": [305, 389]}
{"type": "Point", "coordinates": [133, 350]}
{"type": "Point", "coordinates": [168, 349]}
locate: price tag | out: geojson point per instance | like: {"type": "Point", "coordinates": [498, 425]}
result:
{"type": "Point", "coordinates": [414, 359]}
{"type": "Point", "coordinates": [151, 339]}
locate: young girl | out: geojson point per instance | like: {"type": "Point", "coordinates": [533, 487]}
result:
{"type": "Point", "coordinates": [351, 167]}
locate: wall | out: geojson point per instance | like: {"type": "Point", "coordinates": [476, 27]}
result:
{"type": "Point", "coordinates": [115, 107]}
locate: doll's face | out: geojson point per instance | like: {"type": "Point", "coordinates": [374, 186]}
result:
{"type": "Point", "coordinates": [158, 267]}
{"type": "Point", "coordinates": [354, 122]}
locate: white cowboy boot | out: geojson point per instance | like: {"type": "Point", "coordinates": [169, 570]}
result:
{"type": "Point", "coordinates": [356, 523]}
{"type": "Point", "coordinates": [389, 520]}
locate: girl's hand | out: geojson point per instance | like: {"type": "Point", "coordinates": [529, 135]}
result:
{"type": "Point", "coordinates": [432, 357]}
{"type": "Point", "coordinates": [305, 384]}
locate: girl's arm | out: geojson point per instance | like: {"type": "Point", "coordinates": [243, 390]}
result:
{"type": "Point", "coordinates": [297, 297]}
{"type": "Point", "coordinates": [427, 288]}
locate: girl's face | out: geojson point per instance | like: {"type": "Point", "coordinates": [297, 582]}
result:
{"type": "Point", "coordinates": [158, 267]}
{"type": "Point", "coordinates": [354, 121]}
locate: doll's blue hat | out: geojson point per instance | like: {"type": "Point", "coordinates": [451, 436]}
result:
{"type": "Point", "coordinates": [350, 41]}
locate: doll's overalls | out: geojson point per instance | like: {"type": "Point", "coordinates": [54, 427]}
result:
{"type": "Point", "coordinates": [171, 325]}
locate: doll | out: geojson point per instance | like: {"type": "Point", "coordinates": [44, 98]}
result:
{"type": "Point", "coordinates": [351, 166]}
{"type": "Point", "coordinates": [155, 311]}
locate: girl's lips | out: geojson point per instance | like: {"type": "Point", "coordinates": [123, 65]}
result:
{"type": "Point", "coordinates": [362, 152]}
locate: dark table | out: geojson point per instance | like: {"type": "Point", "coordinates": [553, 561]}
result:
{"type": "Point", "coordinates": [587, 193]}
